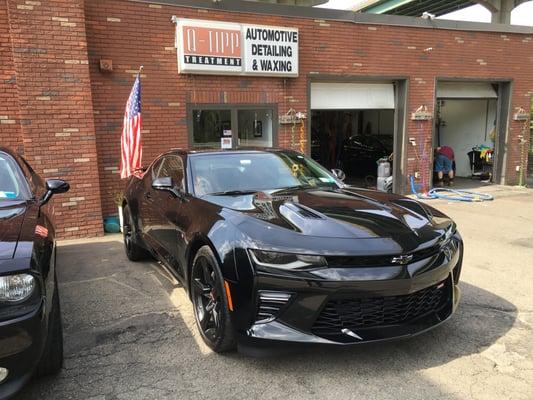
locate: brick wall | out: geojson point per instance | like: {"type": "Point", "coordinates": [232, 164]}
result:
{"type": "Point", "coordinates": [71, 113]}
{"type": "Point", "coordinates": [134, 33]}
{"type": "Point", "coordinates": [9, 106]}
{"type": "Point", "coordinates": [49, 53]}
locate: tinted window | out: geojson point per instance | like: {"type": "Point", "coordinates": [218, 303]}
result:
{"type": "Point", "coordinates": [155, 168]}
{"type": "Point", "coordinates": [12, 182]}
{"type": "Point", "coordinates": [34, 180]}
{"type": "Point", "coordinates": [215, 173]}
{"type": "Point", "coordinates": [170, 166]}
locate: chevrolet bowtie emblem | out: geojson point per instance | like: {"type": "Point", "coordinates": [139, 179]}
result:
{"type": "Point", "coordinates": [403, 259]}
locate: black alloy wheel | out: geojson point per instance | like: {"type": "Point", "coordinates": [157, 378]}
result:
{"type": "Point", "coordinates": [210, 303]}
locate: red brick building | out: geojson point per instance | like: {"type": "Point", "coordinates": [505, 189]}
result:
{"type": "Point", "coordinates": [63, 110]}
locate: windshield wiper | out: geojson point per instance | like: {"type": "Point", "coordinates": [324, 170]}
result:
{"type": "Point", "coordinates": [320, 185]}
{"type": "Point", "coordinates": [233, 193]}
{"type": "Point", "coordinates": [302, 186]}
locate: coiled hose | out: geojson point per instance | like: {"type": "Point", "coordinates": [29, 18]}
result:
{"type": "Point", "coordinates": [452, 194]}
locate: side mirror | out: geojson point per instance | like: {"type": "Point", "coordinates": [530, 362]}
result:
{"type": "Point", "coordinates": [339, 174]}
{"type": "Point", "coordinates": [164, 183]}
{"type": "Point", "coordinates": [54, 186]}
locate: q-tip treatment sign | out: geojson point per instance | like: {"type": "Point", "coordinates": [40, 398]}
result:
{"type": "Point", "coordinates": [212, 47]}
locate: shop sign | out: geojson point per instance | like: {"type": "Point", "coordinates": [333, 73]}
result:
{"type": "Point", "coordinates": [270, 50]}
{"type": "Point", "coordinates": [211, 47]}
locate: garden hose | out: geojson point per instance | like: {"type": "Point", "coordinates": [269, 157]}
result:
{"type": "Point", "coordinates": [302, 136]}
{"type": "Point", "coordinates": [450, 194]}
{"type": "Point", "coordinates": [293, 136]}
{"type": "Point", "coordinates": [523, 154]}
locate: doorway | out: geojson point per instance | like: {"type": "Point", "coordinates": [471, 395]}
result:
{"type": "Point", "coordinates": [215, 126]}
{"type": "Point", "coordinates": [467, 122]}
{"type": "Point", "coordinates": [353, 125]}
{"type": "Point", "coordinates": [352, 140]}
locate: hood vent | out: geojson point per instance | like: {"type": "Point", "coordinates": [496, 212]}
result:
{"type": "Point", "coordinates": [301, 210]}
{"type": "Point", "coordinates": [307, 212]}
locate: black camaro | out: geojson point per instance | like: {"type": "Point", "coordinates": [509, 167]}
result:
{"type": "Point", "coordinates": [30, 320]}
{"type": "Point", "coordinates": [271, 246]}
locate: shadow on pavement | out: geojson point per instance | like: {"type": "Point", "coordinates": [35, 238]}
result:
{"type": "Point", "coordinates": [129, 334]}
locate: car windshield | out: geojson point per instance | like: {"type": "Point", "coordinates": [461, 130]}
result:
{"type": "Point", "coordinates": [10, 179]}
{"type": "Point", "coordinates": [240, 173]}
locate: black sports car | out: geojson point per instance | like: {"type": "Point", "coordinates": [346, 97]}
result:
{"type": "Point", "coordinates": [272, 246]}
{"type": "Point", "coordinates": [30, 320]}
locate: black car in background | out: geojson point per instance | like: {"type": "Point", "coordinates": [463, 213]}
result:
{"type": "Point", "coordinates": [272, 247]}
{"type": "Point", "coordinates": [30, 321]}
{"type": "Point", "coordinates": [358, 156]}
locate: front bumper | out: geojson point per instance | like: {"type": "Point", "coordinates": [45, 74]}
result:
{"type": "Point", "coordinates": [21, 345]}
{"type": "Point", "coordinates": [280, 332]}
{"type": "Point", "coordinates": [360, 305]}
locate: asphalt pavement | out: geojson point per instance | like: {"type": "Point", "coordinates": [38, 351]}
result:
{"type": "Point", "coordinates": [130, 334]}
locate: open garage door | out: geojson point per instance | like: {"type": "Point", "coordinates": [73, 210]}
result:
{"type": "Point", "coordinates": [466, 90]}
{"type": "Point", "coordinates": [352, 126]}
{"type": "Point", "coordinates": [352, 96]}
{"type": "Point", "coordinates": [467, 122]}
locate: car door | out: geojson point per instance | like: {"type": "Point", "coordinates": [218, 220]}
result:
{"type": "Point", "coordinates": [148, 215]}
{"type": "Point", "coordinates": [170, 205]}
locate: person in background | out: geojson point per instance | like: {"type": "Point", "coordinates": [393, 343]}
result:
{"type": "Point", "coordinates": [444, 157]}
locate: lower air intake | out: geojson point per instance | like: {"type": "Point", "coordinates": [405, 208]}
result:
{"type": "Point", "coordinates": [270, 305]}
{"type": "Point", "coordinates": [356, 314]}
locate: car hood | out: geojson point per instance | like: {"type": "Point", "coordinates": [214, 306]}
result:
{"type": "Point", "coordinates": [347, 213]}
{"type": "Point", "coordinates": [12, 215]}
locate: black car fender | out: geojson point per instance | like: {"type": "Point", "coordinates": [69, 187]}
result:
{"type": "Point", "coordinates": [221, 242]}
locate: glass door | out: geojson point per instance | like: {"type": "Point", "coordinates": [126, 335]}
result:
{"type": "Point", "coordinates": [226, 126]}
{"type": "Point", "coordinates": [255, 127]}
{"type": "Point", "coordinates": [210, 126]}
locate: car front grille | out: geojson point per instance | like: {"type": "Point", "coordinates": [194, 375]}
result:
{"type": "Point", "coordinates": [355, 314]}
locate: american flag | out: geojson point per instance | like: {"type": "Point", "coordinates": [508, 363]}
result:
{"type": "Point", "coordinates": [131, 146]}
{"type": "Point", "coordinates": [41, 231]}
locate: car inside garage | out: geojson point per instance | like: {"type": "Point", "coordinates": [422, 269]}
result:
{"type": "Point", "coordinates": [352, 127]}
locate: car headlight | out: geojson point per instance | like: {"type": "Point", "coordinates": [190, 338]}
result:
{"type": "Point", "coordinates": [14, 288]}
{"type": "Point", "coordinates": [286, 261]}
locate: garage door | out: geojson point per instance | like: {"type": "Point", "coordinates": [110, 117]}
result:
{"type": "Point", "coordinates": [466, 90]}
{"type": "Point", "coordinates": [361, 96]}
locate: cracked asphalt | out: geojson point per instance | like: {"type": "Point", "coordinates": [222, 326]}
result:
{"type": "Point", "coordinates": [129, 331]}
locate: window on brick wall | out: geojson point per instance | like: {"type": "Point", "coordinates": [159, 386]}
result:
{"type": "Point", "coordinates": [246, 125]}
{"type": "Point", "coordinates": [209, 126]}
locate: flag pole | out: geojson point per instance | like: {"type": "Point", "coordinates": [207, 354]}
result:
{"type": "Point", "coordinates": [140, 70]}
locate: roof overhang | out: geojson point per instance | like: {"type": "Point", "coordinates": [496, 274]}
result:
{"type": "Point", "coordinates": [414, 8]}
{"type": "Point", "coordinates": [252, 7]}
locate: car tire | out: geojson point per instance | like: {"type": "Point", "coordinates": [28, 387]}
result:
{"type": "Point", "coordinates": [52, 358]}
{"type": "Point", "coordinates": [211, 289]}
{"type": "Point", "coordinates": [132, 243]}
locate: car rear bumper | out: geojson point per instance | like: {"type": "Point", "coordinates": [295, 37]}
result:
{"type": "Point", "coordinates": [21, 344]}
{"type": "Point", "coordinates": [362, 305]}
